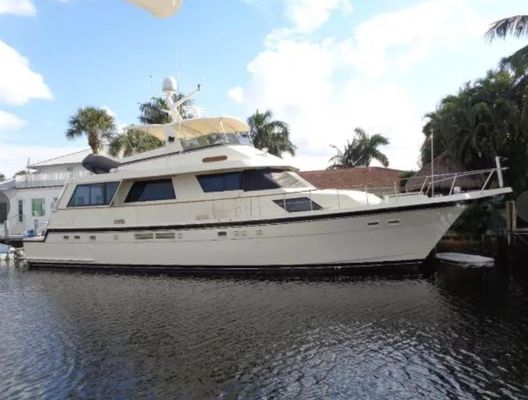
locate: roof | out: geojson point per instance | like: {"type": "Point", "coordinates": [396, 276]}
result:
{"type": "Point", "coordinates": [72, 158]}
{"type": "Point", "coordinates": [7, 184]}
{"type": "Point", "coordinates": [444, 165]}
{"type": "Point", "coordinates": [195, 127]}
{"type": "Point", "coordinates": [352, 178]}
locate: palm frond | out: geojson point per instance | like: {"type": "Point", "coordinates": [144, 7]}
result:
{"type": "Point", "coordinates": [516, 26]}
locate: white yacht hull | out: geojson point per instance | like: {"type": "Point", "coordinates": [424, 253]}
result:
{"type": "Point", "coordinates": [388, 235]}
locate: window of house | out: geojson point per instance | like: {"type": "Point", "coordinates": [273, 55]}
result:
{"type": "Point", "coordinates": [38, 208]}
{"type": "Point", "coordinates": [298, 204]}
{"type": "Point", "coordinates": [94, 194]}
{"type": "Point", "coordinates": [20, 211]}
{"type": "Point", "coordinates": [154, 190]}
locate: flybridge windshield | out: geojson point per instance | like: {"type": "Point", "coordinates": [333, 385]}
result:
{"type": "Point", "coordinates": [215, 139]}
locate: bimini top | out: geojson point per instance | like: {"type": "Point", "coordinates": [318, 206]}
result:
{"type": "Point", "coordinates": [196, 127]}
{"type": "Point", "coordinates": [160, 8]}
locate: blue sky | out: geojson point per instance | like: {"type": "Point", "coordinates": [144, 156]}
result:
{"type": "Point", "coordinates": [324, 66]}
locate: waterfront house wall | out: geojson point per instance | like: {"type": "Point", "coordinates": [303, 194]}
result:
{"type": "Point", "coordinates": [29, 199]}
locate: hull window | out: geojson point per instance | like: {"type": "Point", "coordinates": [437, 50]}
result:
{"type": "Point", "coordinates": [95, 194]}
{"type": "Point", "coordinates": [298, 204]}
{"type": "Point", "coordinates": [144, 236]}
{"type": "Point", "coordinates": [161, 189]}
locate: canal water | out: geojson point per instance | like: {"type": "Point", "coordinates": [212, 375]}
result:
{"type": "Point", "coordinates": [448, 333]}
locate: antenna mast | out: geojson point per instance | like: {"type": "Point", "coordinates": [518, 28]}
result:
{"type": "Point", "coordinates": [170, 88]}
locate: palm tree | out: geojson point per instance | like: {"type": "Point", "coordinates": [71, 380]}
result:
{"type": "Point", "coordinates": [156, 111]}
{"type": "Point", "coordinates": [485, 119]}
{"type": "Point", "coordinates": [95, 123]}
{"type": "Point", "coordinates": [349, 157]}
{"type": "Point", "coordinates": [270, 134]}
{"type": "Point", "coordinates": [516, 26]}
{"type": "Point", "coordinates": [361, 152]}
{"type": "Point", "coordinates": [133, 141]}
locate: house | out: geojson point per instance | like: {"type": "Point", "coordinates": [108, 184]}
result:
{"type": "Point", "coordinates": [26, 201]}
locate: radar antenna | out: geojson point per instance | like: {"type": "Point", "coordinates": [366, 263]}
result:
{"type": "Point", "coordinates": [170, 88]}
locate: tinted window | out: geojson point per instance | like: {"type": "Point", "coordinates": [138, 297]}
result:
{"type": "Point", "coordinates": [220, 182]}
{"type": "Point", "coordinates": [258, 179]}
{"type": "Point", "coordinates": [161, 189]}
{"type": "Point", "coordinates": [250, 180]}
{"type": "Point", "coordinates": [95, 194]}
{"type": "Point", "coordinates": [298, 204]}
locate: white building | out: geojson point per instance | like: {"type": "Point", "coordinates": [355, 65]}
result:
{"type": "Point", "coordinates": [26, 201]}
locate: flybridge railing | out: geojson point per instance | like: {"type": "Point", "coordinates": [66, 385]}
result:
{"type": "Point", "coordinates": [451, 179]}
{"type": "Point", "coordinates": [429, 182]}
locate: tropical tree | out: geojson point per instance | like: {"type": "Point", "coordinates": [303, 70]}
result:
{"type": "Point", "coordinates": [133, 141]}
{"type": "Point", "coordinates": [361, 151]}
{"type": "Point", "coordinates": [516, 26]}
{"type": "Point", "coordinates": [485, 119]}
{"type": "Point", "coordinates": [95, 123]}
{"type": "Point", "coordinates": [269, 134]}
{"type": "Point", "coordinates": [156, 110]}
{"type": "Point", "coordinates": [349, 157]}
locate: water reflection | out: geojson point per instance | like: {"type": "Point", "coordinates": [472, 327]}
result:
{"type": "Point", "coordinates": [452, 333]}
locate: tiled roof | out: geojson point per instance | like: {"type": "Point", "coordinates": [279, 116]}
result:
{"type": "Point", "coordinates": [350, 178]}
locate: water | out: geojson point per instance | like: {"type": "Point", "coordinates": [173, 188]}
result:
{"type": "Point", "coordinates": [450, 334]}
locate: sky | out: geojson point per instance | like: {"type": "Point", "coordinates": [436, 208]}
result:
{"type": "Point", "coordinates": [323, 66]}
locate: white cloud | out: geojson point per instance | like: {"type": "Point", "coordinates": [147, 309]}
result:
{"type": "Point", "coordinates": [24, 8]}
{"type": "Point", "coordinates": [10, 122]}
{"type": "Point", "coordinates": [236, 94]}
{"type": "Point", "coordinates": [325, 88]}
{"type": "Point", "coordinates": [18, 83]}
{"type": "Point", "coordinates": [401, 39]}
{"type": "Point", "coordinates": [308, 15]}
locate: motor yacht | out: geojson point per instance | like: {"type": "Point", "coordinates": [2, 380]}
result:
{"type": "Point", "coordinates": [209, 200]}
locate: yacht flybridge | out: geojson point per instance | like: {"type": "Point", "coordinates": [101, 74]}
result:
{"type": "Point", "coordinates": [209, 199]}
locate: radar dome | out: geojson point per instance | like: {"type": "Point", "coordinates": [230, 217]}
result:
{"type": "Point", "coordinates": [170, 85]}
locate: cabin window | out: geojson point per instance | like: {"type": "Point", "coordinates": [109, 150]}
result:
{"type": "Point", "coordinates": [38, 208]}
{"type": "Point", "coordinates": [154, 190]}
{"type": "Point", "coordinates": [249, 180]}
{"type": "Point", "coordinates": [266, 179]}
{"type": "Point", "coordinates": [95, 194]}
{"type": "Point", "coordinates": [298, 204]}
{"type": "Point", "coordinates": [220, 182]}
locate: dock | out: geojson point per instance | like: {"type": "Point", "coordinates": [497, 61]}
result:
{"type": "Point", "coordinates": [14, 241]}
